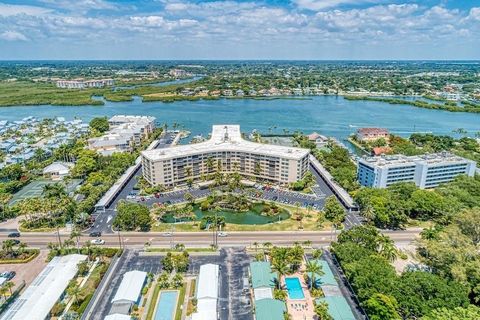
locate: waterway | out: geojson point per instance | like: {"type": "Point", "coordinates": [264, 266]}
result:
{"type": "Point", "coordinates": [328, 115]}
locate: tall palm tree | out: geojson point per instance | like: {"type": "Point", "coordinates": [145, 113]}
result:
{"type": "Point", "coordinates": [9, 285]}
{"type": "Point", "coordinates": [281, 268]}
{"type": "Point", "coordinates": [313, 269]}
{"type": "Point", "coordinates": [74, 292]}
{"type": "Point", "coordinates": [386, 248]}
{"type": "Point", "coordinates": [369, 213]}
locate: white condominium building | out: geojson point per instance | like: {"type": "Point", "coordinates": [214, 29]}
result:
{"type": "Point", "coordinates": [426, 171]}
{"type": "Point", "coordinates": [226, 151]}
{"type": "Point", "coordinates": [82, 84]}
{"type": "Point", "coordinates": [125, 133]}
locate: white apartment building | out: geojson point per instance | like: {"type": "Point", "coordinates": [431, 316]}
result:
{"type": "Point", "coordinates": [125, 133]}
{"type": "Point", "coordinates": [82, 84]}
{"type": "Point", "coordinates": [226, 151]}
{"type": "Point", "coordinates": [427, 171]}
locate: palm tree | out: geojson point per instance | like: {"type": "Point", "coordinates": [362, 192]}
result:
{"type": "Point", "coordinates": [386, 248]}
{"type": "Point", "coordinates": [74, 292]}
{"type": "Point", "coordinates": [9, 285]}
{"type": "Point", "coordinates": [75, 234]}
{"type": "Point", "coordinates": [313, 269]}
{"type": "Point", "coordinates": [3, 292]}
{"type": "Point", "coordinates": [369, 213]}
{"type": "Point", "coordinates": [281, 268]}
{"type": "Point", "coordinates": [209, 164]}
{"type": "Point", "coordinates": [21, 247]}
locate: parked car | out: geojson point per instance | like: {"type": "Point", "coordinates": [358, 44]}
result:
{"type": "Point", "coordinates": [14, 234]}
{"type": "Point", "coordinates": [97, 241]}
{"type": "Point", "coordinates": [95, 234]}
{"type": "Point", "coordinates": [8, 275]}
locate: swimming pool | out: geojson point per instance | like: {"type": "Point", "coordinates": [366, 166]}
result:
{"type": "Point", "coordinates": [166, 305]}
{"type": "Point", "coordinates": [294, 288]}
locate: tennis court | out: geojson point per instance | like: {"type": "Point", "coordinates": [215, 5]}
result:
{"type": "Point", "coordinates": [35, 189]}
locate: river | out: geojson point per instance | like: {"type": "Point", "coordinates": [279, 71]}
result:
{"type": "Point", "coordinates": [328, 115]}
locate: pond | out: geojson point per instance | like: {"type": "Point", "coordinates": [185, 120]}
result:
{"type": "Point", "coordinates": [250, 217]}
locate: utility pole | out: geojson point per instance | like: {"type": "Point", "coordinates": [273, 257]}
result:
{"type": "Point", "coordinates": [119, 239]}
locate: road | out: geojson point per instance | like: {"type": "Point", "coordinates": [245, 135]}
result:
{"type": "Point", "coordinates": [204, 239]}
{"type": "Point", "coordinates": [104, 221]}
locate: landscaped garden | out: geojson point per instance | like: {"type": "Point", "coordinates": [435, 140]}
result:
{"type": "Point", "coordinates": [235, 212]}
{"type": "Point", "coordinates": [14, 251]}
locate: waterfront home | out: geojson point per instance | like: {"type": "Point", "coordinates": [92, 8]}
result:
{"type": "Point", "coordinates": [372, 134]}
{"type": "Point", "coordinates": [227, 93]}
{"type": "Point", "coordinates": [318, 139]}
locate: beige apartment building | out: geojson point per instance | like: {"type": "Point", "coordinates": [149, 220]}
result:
{"type": "Point", "coordinates": [226, 151]}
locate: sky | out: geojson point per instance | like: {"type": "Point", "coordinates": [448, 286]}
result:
{"type": "Point", "coordinates": [240, 29]}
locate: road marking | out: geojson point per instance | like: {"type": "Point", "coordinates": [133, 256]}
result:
{"type": "Point", "coordinates": [109, 218]}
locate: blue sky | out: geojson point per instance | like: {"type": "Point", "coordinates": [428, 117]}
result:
{"type": "Point", "coordinates": [240, 29]}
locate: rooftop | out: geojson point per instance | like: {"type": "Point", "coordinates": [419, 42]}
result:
{"type": "Point", "coordinates": [431, 159]}
{"type": "Point", "coordinates": [269, 309]}
{"type": "Point", "coordinates": [262, 275]}
{"type": "Point", "coordinates": [226, 138]}
{"type": "Point", "coordinates": [131, 286]}
{"type": "Point", "coordinates": [38, 299]}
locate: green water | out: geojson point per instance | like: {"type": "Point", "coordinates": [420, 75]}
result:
{"type": "Point", "coordinates": [251, 217]}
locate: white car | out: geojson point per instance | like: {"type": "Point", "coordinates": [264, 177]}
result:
{"type": "Point", "coordinates": [222, 234]}
{"type": "Point", "coordinates": [97, 241]}
{"type": "Point", "coordinates": [167, 234]}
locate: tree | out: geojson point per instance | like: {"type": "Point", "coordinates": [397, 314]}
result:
{"type": "Point", "coordinates": [418, 293]}
{"type": "Point", "coordinates": [177, 281]}
{"type": "Point", "coordinates": [386, 248]}
{"type": "Point", "coordinates": [333, 210]}
{"type": "Point", "coordinates": [54, 190]}
{"type": "Point", "coordinates": [74, 292]}
{"type": "Point", "coordinates": [469, 313]}
{"type": "Point", "coordinates": [132, 216]}
{"type": "Point", "coordinates": [313, 270]}
{"type": "Point", "coordinates": [321, 311]}
{"type": "Point", "coordinates": [382, 307]}
{"type": "Point", "coordinates": [9, 285]}
{"type": "Point", "coordinates": [188, 197]}
{"type": "Point", "coordinates": [99, 124]}
{"type": "Point", "coordinates": [281, 268]}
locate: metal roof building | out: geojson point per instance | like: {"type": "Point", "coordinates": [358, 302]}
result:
{"type": "Point", "coordinates": [118, 317]}
{"type": "Point", "coordinates": [131, 287]}
{"type": "Point", "coordinates": [207, 293]}
{"type": "Point", "coordinates": [38, 299]}
{"type": "Point", "coordinates": [269, 309]}
{"type": "Point", "coordinates": [263, 279]}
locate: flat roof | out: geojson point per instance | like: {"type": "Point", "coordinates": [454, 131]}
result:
{"type": "Point", "coordinates": [400, 160]}
{"type": "Point", "coordinates": [118, 316]}
{"type": "Point", "coordinates": [226, 138]}
{"type": "Point", "coordinates": [269, 309]}
{"type": "Point", "coordinates": [262, 275]}
{"type": "Point", "coordinates": [131, 286]}
{"type": "Point", "coordinates": [207, 285]}
{"type": "Point", "coordinates": [38, 299]}
{"type": "Point", "coordinates": [338, 308]}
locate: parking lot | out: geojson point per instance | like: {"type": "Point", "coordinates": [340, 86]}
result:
{"type": "Point", "coordinates": [233, 303]}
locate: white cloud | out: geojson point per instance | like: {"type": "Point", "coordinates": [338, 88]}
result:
{"type": "Point", "coordinates": [317, 5]}
{"type": "Point", "coordinates": [12, 36]}
{"type": "Point", "coordinates": [12, 10]}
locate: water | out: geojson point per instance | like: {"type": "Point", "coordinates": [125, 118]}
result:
{"type": "Point", "coordinates": [251, 217]}
{"type": "Point", "coordinates": [329, 115]}
{"type": "Point", "coordinates": [166, 306]}
{"type": "Point", "coordinates": [294, 288]}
